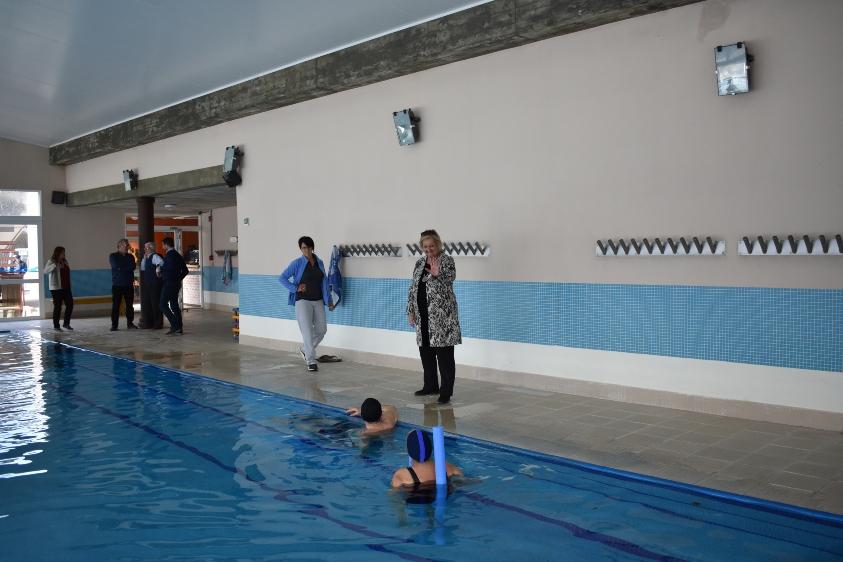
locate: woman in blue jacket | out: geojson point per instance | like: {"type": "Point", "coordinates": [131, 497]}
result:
{"type": "Point", "coordinates": [307, 282]}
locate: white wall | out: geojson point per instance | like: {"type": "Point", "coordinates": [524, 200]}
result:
{"type": "Point", "coordinates": [215, 237]}
{"type": "Point", "coordinates": [540, 150]}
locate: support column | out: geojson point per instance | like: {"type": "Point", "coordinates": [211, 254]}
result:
{"type": "Point", "coordinates": [146, 221]}
{"type": "Point", "coordinates": [146, 233]}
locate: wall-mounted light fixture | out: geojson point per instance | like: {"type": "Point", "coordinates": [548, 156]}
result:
{"type": "Point", "coordinates": [130, 179]}
{"type": "Point", "coordinates": [731, 64]}
{"type": "Point", "coordinates": [406, 126]}
{"type": "Point", "coordinates": [231, 166]}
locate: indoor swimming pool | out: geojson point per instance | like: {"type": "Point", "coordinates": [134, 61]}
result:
{"type": "Point", "coordinates": [104, 459]}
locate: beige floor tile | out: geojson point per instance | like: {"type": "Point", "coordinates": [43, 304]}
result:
{"type": "Point", "coordinates": [825, 471]}
{"type": "Point", "coordinates": [798, 481]}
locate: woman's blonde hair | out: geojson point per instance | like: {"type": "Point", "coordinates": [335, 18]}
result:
{"type": "Point", "coordinates": [433, 235]}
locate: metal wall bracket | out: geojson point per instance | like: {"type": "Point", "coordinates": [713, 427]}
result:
{"type": "Point", "coordinates": [791, 246]}
{"type": "Point", "coordinates": [683, 247]}
{"type": "Point", "coordinates": [455, 249]}
{"type": "Point", "coordinates": [370, 250]}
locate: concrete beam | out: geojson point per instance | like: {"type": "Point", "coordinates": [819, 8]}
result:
{"type": "Point", "coordinates": [481, 30]}
{"type": "Point", "coordinates": [149, 187]}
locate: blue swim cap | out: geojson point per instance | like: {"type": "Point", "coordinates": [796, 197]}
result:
{"type": "Point", "coordinates": [419, 445]}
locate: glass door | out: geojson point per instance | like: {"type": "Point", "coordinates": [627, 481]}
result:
{"type": "Point", "coordinates": [20, 258]}
{"type": "Point", "coordinates": [187, 243]}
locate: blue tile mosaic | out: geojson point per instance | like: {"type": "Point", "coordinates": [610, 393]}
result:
{"type": "Point", "coordinates": [798, 328]}
{"type": "Point", "coordinates": [86, 283]}
{"type": "Point", "coordinates": [212, 280]}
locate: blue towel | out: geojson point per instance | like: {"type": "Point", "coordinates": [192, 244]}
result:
{"type": "Point", "coordinates": [227, 271]}
{"type": "Point", "coordinates": [335, 276]}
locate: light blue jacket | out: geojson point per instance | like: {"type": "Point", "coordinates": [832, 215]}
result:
{"type": "Point", "coordinates": [291, 277]}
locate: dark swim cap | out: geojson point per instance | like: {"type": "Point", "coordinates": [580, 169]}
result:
{"type": "Point", "coordinates": [371, 410]}
{"type": "Point", "coordinates": [419, 445]}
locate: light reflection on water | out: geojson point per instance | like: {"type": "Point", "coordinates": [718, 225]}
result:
{"type": "Point", "coordinates": [23, 417]}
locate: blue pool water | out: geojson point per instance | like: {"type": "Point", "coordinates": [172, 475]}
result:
{"type": "Point", "coordinates": [103, 458]}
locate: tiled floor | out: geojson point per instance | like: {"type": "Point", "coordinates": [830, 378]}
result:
{"type": "Point", "coordinates": [778, 462]}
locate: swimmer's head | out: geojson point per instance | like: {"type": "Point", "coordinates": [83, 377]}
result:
{"type": "Point", "coordinates": [371, 410]}
{"type": "Point", "coordinates": [419, 445]}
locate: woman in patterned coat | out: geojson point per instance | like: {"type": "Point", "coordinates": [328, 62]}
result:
{"type": "Point", "coordinates": [432, 309]}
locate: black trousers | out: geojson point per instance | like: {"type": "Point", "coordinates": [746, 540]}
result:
{"type": "Point", "coordinates": [118, 294]}
{"type": "Point", "coordinates": [151, 314]}
{"type": "Point", "coordinates": [430, 356]}
{"type": "Point", "coordinates": [170, 305]}
{"type": "Point", "coordinates": [62, 296]}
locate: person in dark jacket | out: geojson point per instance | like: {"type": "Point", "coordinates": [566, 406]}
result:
{"type": "Point", "coordinates": [151, 315]}
{"type": "Point", "coordinates": [172, 272]}
{"type": "Point", "coordinates": [122, 284]}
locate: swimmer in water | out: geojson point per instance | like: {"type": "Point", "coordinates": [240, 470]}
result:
{"type": "Point", "coordinates": [423, 471]}
{"type": "Point", "coordinates": [378, 418]}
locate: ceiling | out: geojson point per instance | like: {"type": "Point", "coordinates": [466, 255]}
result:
{"type": "Point", "coordinates": [70, 67]}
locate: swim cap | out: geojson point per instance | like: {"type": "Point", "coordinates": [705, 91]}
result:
{"type": "Point", "coordinates": [419, 445]}
{"type": "Point", "coordinates": [371, 410]}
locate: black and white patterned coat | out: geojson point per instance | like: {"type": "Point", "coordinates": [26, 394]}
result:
{"type": "Point", "coordinates": [443, 316]}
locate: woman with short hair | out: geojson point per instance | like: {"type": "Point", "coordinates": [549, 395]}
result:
{"type": "Point", "coordinates": [432, 310]}
{"type": "Point", "coordinates": [307, 281]}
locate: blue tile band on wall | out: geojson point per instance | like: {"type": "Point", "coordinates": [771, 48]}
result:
{"type": "Point", "coordinates": [797, 328]}
{"type": "Point", "coordinates": [86, 283]}
{"type": "Point", "coordinates": [97, 282]}
{"type": "Point", "coordinates": [212, 280]}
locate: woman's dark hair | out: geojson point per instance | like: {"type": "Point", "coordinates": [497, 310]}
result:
{"type": "Point", "coordinates": [57, 252]}
{"type": "Point", "coordinates": [307, 241]}
{"type": "Point", "coordinates": [371, 410]}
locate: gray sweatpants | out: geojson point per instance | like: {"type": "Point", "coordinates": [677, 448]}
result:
{"type": "Point", "coordinates": [311, 319]}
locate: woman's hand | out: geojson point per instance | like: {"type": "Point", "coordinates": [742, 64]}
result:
{"type": "Point", "coordinates": [434, 267]}
{"type": "Point", "coordinates": [331, 306]}
{"type": "Point", "coordinates": [302, 288]}
{"type": "Point", "coordinates": [411, 320]}
{"type": "Point", "coordinates": [353, 412]}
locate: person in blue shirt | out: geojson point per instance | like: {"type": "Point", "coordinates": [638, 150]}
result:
{"type": "Point", "coordinates": [172, 271]}
{"type": "Point", "coordinates": [307, 282]}
{"type": "Point", "coordinates": [21, 264]}
{"type": "Point", "coordinates": [122, 284]}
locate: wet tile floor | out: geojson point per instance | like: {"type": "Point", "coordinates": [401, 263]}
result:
{"type": "Point", "coordinates": [790, 464]}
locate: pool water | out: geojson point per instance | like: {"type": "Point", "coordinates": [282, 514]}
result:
{"type": "Point", "coordinates": [103, 458]}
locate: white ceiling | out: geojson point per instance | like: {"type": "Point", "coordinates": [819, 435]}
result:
{"type": "Point", "coordinates": [70, 67]}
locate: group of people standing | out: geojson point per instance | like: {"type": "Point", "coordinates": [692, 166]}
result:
{"type": "Point", "coordinates": [431, 309]}
{"type": "Point", "coordinates": [161, 281]}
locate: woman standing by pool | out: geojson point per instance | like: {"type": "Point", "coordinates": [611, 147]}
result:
{"type": "Point", "coordinates": [59, 271]}
{"type": "Point", "coordinates": [307, 282]}
{"type": "Point", "coordinates": [432, 309]}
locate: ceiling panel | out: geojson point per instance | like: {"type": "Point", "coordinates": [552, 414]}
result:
{"type": "Point", "coordinates": [69, 67]}
{"type": "Point", "coordinates": [192, 201]}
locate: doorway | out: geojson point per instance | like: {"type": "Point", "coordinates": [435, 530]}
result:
{"type": "Point", "coordinates": [186, 233]}
{"type": "Point", "coordinates": [20, 256]}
